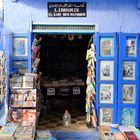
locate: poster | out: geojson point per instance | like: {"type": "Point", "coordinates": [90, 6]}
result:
{"type": "Point", "coordinates": [106, 70]}
{"type": "Point", "coordinates": [106, 93]}
{"type": "Point", "coordinates": [106, 46]}
{"type": "Point", "coordinates": [131, 46]}
{"type": "Point", "coordinates": [129, 70]}
{"type": "Point", "coordinates": [128, 93]}
{"type": "Point", "coordinates": [105, 116]}
{"type": "Point", "coordinates": [128, 116]}
{"type": "Point", "coordinates": [20, 46]}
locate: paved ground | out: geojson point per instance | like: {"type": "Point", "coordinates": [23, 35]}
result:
{"type": "Point", "coordinates": [90, 134]}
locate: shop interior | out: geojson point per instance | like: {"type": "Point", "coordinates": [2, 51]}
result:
{"type": "Point", "coordinates": [63, 67]}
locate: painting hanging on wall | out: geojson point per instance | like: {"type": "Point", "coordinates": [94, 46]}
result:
{"type": "Point", "coordinates": [128, 116]}
{"type": "Point", "coordinates": [20, 46]}
{"type": "Point", "coordinates": [106, 46]}
{"type": "Point", "coordinates": [105, 116]}
{"type": "Point", "coordinates": [106, 70]}
{"type": "Point", "coordinates": [128, 93]}
{"type": "Point", "coordinates": [129, 70]}
{"type": "Point", "coordinates": [106, 93]}
{"type": "Point", "coordinates": [131, 46]}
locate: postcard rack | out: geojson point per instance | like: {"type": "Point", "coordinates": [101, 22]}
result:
{"type": "Point", "coordinates": [2, 77]}
{"type": "Point", "coordinates": [129, 76]}
{"type": "Point", "coordinates": [24, 91]}
{"type": "Point", "coordinates": [106, 78]}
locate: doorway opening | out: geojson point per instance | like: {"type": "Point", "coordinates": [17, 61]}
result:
{"type": "Point", "coordinates": [64, 71]}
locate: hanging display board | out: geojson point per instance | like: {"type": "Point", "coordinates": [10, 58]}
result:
{"type": "Point", "coordinates": [106, 77]}
{"type": "Point", "coordinates": [67, 9]}
{"type": "Point", "coordinates": [128, 102]}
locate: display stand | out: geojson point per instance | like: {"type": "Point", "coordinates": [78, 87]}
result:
{"type": "Point", "coordinates": [2, 78]}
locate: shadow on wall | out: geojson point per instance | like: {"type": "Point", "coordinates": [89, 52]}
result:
{"type": "Point", "coordinates": [42, 4]}
{"type": "Point", "coordinates": [122, 5]}
{"type": "Point", "coordinates": [99, 5]}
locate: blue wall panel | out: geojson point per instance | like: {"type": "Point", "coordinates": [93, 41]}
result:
{"type": "Point", "coordinates": [108, 15]}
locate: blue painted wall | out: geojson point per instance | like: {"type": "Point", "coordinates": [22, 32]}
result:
{"type": "Point", "coordinates": [108, 15]}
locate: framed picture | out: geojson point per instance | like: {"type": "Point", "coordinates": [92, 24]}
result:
{"type": "Point", "coordinates": [105, 116]}
{"type": "Point", "coordinates": [128, 116]}
{"type": "Point", "coordinates": [129, 70]}
{"type": "Point", "coordinates": [128, 93]}
{"type": "Point", "coordinates": [106, 93]}
{"type": "Point", "coordinates": [20, 64]}
{"type": "Point", "coordinates": [22, 70]}
{"type": "Point", "coordinates": [106, 70]}
{"type": "Point", "coordinates": [131, 46]}
{"type": "Point", "coordinates": [106, 46]}
{"type": "Point", "coordinates": [20, 47]}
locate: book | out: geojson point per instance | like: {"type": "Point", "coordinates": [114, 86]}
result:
{"type": "Point", "coordinates": [108, 135]}
{"type": "Point", "coordinates": [119, 136]}
{"type": "Point", "coordinates": [28, 117]}
{"type": "Point", "coordinates": [29, 98]}
{"type": "Point", "coordinates": [124, 129]}
{"type": "Point", "coordinates": [25, 117]}
{"type": "Point", "coordinates": [130, 135]}
{"type": "Point", "coordinates": [14, 115]}
{"type": "Point", "coordinates": [17, 81]}
{"type": "Point", "coordinates": [102, 129]}
{"type": "Point", "coordinates": [133, 128]}
{"type": "Point", "coordinates": [24, 132]}
{"type": "Point", "coordinates": [16, 99]}
{"type": "Point", "coordinates": [28, 81]}
{"type": "Point", "coordinates": [23, 98]}
{"type": "Point", "coordinates": [44, 134]}
{"type": "Point", "coordinates": [137, 133]}
{"type": "Point", "coordinates": [7, 131]}
{"type": "Point", "coordinates": [112, 129]}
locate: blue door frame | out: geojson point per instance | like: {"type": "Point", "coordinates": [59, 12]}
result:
{"type": "Point", "coordinates": [130, 107]}
{"type": "Point", "coordinates": [106, 58]}
{"type": "Point", "coordinates": [119, 55]}
{"type": "Point", "coordinates": [20, 58]}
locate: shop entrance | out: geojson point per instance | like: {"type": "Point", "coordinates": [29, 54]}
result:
{"type": "Point", "coordinates": [64, 71]}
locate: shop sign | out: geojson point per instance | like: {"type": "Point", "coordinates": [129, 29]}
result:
{"type": "Point", "coordinates": [50, 91]}
{"type": "Point", "coordinates": [67, 9]}
{"type": "Point", "coordinates": [76, 90]}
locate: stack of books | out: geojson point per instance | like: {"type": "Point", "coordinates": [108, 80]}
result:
{"type": "Point", "coordinates": [2, 77]}
{"type": "Point", "coordinates": [119, 133]}
{"type": "Point", "coordinates": [23, 105]}
{"type": "Point", "coordinates": [27, 81]}
{"type": "Point", "coordinates": [25, 133]}
{"type": "Point", "coordinates": [7, 132]}
{"type": "Point", "coordinates": [23, 98]}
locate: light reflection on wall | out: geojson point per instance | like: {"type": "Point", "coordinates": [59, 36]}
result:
{"type": "Point", "coordinates": [1, 10]}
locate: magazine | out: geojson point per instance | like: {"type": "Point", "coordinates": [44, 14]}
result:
{"type": "Point", "coordinates": [17, 82]}
{"type": "Point", "coordinates": [28, 117]}
{"type": "Point", "coordinates": [28, 81]}
{"type": "Point", "coordinates": [24, 132]}
{"type": "Point", "coordinates": [30, 98]}
{"type": "Point", "coordinates": [23, 98]}
{"type": "Point", "coordinates": [14, 115]}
